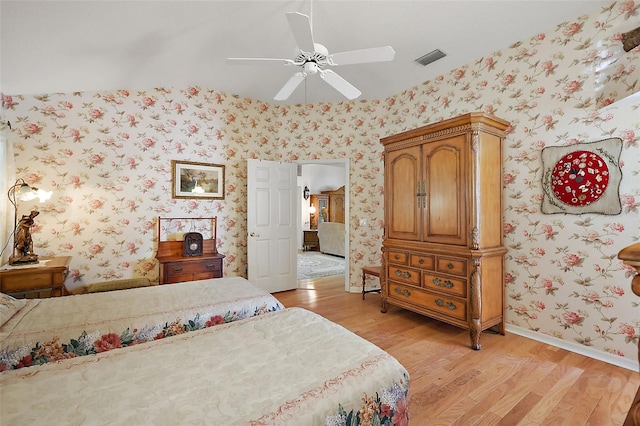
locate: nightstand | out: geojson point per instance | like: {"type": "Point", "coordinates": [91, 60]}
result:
{"type": "Point", "coordinates": [45, 279]}
{"type": "Point", "coordinates": [310, 240]}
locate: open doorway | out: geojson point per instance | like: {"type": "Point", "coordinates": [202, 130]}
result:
{"type": "Point", "coordinates": [325, 178]}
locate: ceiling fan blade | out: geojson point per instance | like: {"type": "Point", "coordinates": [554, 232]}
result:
{"type": "Point", "coordinates": [375, 54]}
{"type": "Point", "coordinates": [301, 28]}
{"type": "Point", "coordinates": [252, 61]}
{"type": "Point", "coordinates": [340, 84]}
{"type": "Point", "coordinates": [290, 86]}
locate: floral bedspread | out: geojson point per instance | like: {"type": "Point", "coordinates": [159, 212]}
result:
{"type": "Point", "coordinates": [290, 367]}
{"type": "Point", "coordinates": [47, 330]}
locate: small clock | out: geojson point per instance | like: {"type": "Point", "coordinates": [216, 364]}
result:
{"type": "Point", "coordinates": [192, 244]}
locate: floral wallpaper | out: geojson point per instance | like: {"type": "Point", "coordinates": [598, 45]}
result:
{"type": "Point", "coordinates": [107, 156]}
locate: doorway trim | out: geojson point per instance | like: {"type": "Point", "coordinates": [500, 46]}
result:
{"type": "Point", "coordinates": [347, 190]}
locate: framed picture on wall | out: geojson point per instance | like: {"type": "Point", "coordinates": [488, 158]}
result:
{"type": "Point", "coordinates": [197, 180]}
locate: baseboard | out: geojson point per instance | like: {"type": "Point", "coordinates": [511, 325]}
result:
{"type": "Point", "coordinates": [629, 364]}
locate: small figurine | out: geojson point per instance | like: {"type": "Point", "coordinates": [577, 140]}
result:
{"type": "Point", "coordinates": [23, 242]}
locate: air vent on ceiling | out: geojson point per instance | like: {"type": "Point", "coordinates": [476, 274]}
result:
{"type": "Point", "coordinates": [431, 57]}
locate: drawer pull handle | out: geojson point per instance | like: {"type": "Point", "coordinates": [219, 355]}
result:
{"type": "Point", "coordinates": [439, 283]}
{"type": "Point", "coordinates": [403, 292]}
{"type": "Point", "coordinates": [421, 261]}
{"type": "Point", "coordinates": [441, 303]}
{"type": "Point", "coordinates": [406, 275]}
{"type": "Point", "coordinates": [396, 257]}
{"type": "Point", "coordinates": [177, 269]}
{"type": "Point", "coordinates": [450, 265]}
{"type": "Point", "coordinates": [211, 266]}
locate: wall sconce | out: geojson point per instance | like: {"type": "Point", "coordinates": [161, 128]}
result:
{"type": "Point", "coordinates": [22, 241]}
{"type": "Point", "coordinates": [306, 193]}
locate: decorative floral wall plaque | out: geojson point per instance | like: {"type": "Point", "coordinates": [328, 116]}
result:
{"type": "Point", "coordinates": [582, 178]}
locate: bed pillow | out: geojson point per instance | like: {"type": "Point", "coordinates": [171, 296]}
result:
{"type": "Point", "coordinates": [9, 306]}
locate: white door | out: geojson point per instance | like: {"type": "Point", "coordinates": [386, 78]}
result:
{"type": "Point", "coordinates": [272, 225]}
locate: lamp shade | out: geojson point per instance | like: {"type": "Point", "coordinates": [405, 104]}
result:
{"type": "Point", "coordinates": [34, 193]}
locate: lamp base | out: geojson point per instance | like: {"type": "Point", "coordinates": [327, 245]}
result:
{"type": "Point", "coordinates": [23, 260]}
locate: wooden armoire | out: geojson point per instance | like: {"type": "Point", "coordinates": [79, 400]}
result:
{"type": "Point", "coordinates": [443, 247]}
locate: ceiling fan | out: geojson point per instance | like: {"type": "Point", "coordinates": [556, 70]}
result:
{"type": "Point", "coordinates": [313, 58]}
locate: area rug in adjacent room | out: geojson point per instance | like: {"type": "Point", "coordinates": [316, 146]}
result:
{"type": "Point", "coordinates": [313, 264]}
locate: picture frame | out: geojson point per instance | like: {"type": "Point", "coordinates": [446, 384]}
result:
{"type": "Point", "coordinates": [197, 180]}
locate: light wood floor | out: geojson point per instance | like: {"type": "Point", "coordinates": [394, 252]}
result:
{"type": "Point", "coordinates": [512, 380]}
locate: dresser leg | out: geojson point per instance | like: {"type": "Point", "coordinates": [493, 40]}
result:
{"type": "Point", "coordinates": [475, 332]}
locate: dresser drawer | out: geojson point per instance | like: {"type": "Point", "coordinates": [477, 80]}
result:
{"type": "Point", "coordinates": [397, 257]}
{"type": "Point", "coordinates": [206, 275]}
{"type": "Point", "coordinates": [454, 286]}
{"type": "Point", "coordinates": [406, 275]}
{"type": "Point", "coordinates": [26, 282]}
{"type": "Point", "coordinates": [450, 265]}
{"type": "Point", "coordinates": [172, 279]}
{"type": "Point", "coordinates": [423, 261]}
{"type": "Point", "coordinates": [203, 266]}
{"type": "Point", "coordinates": [448, 306]}
{"type": "Point", "coordinates": [176, 269]}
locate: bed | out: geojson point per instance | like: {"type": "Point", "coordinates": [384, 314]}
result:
{"type": "Point", "coordinates": [39, 331]}
{"type": "Point", "coordinates": [288, 367]}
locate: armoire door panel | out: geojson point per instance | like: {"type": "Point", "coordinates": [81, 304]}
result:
{"type": "Point", "coordinates": [403, 173]}
{"type": "Point", "coordinates": [445, 220]}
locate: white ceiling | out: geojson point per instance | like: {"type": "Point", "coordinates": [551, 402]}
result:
{"type": "Point", "coordinates": [66, 46]}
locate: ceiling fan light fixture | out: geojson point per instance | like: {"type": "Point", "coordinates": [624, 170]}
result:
{"type": "Point", "coordinates": [311, 68]}
{"type": "Point", "coordinates": [430, 57]}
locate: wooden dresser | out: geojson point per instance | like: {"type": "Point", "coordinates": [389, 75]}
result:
{"type": "Point", "coordinates": [443, 253]}
{"type": "Point", "coordinates": [178, 262]}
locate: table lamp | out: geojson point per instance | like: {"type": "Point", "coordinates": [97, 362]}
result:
{"type": "Point", "coordinates": [22, 240]}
